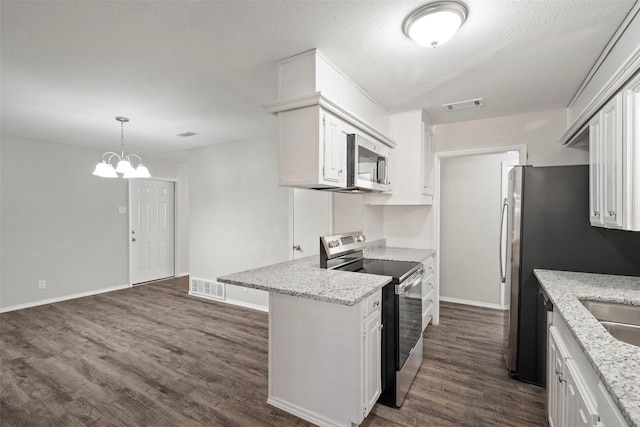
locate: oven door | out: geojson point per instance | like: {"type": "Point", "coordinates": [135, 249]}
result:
{"type": "Point", "coordinates": [409, 317]}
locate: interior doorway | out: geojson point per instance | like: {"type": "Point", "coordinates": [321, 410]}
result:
{"type": "Point", "coordinates": [311, 213]}
{"type": "Point", "coordinates": [470, 195]}
{"type": "Point", "coordinates": [152, 230]}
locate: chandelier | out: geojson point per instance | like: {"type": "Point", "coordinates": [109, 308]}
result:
{"type": "Point", "coordinates": [123, 167]}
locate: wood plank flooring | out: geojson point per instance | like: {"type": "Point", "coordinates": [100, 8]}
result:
{"type": "Point", "coordinates": [153, 356]}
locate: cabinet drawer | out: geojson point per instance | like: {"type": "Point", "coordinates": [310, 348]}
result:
{"type": "Point", "coordinates": [426, 318]}
{"type": "Point", "coordinates": [427, 285]}
{"type": "Point", "coordinates": [372, 303]}
{"type": "Point", "coordinates": [428, 267]}
{"type": "Point", "coordinates": [427, 299]}
{"type": "Point", "coordinates": [427, 305]}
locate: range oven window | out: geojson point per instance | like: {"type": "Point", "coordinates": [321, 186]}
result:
{"type": "Point", "coordinates": [409, 318]}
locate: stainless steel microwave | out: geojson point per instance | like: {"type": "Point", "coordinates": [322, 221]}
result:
{"type": "Point", "coordinates": [368, 164]}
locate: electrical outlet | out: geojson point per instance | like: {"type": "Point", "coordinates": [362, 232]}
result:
{"type": "Point", "coordinates": [42, 284]}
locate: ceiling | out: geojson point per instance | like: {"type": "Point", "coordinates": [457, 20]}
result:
{"type": "Point", "coordinates": [68, 68]}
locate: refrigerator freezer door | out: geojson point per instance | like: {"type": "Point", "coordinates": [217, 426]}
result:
{"type": "Point", "coordinates": [512, 274]}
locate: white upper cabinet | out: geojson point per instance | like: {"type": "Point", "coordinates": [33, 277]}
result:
{"type": "Point", "coordinates": [631, 153]}
{"type": "Point", "coordinates": [614, 159]}
{"type": "Point", "coordinates": [413, 161]}
{"type": "Point", "coordinates": [428, 159]}
{"type": "Point", "coordinates": [312, 149]}
{"type": "Point", "coordinates": [317, 107]}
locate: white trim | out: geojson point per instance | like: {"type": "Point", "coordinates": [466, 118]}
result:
{"type": "Point", "coordinates": [605, 52]}
{"type": "Point", "coordinates": [176, 228]}
{"type": "Point", "coordinates": [316, 98]}
{"type": "Point", "coordinates": [243, 304]}
{"type": "Point", "coordinates": [473, 303]}
{"type": "Point", "coordinates": [63, 298]}
{"type": "Point", "coordinates": [303, 413]}
{"type": "Point", "coordinates": [521, 148]}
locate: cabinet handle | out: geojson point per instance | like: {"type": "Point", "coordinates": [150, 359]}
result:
{"type": "Point", "coordinates": [340, 172]}
{"type": "Point", "coordinates": [596, 213]}
{"type": "Point", "coordinates": [376, 303]}
{"type": "Point", "coordinates": [612, 213]}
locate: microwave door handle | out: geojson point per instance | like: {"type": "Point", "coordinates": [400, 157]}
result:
{"type": "Point", "coordinates": [386, 170]}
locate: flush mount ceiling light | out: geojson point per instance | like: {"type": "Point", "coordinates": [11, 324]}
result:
{"type": "Point", "coordinates": [435, 23]}
{"type": "Point", "coordinates": [105, 168]}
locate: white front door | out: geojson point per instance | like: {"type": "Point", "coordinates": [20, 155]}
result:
{"type": "Point", "coordinates": [152, 229]}
{"type": "Point", "coordinates": [312, 218]}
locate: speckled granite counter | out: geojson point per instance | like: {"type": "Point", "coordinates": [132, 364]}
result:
{"type": "Point", "coordinates": [397, 254]}
{"type": "Point", "coordinates": [615, 362]}
{"type": "Point", "coordinates": [304, 278]}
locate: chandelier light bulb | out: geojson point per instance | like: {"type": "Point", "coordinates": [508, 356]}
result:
{"type": "Point", "coordinates": [124, 167]}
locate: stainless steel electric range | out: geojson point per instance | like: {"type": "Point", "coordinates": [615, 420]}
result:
{"type": "Point", "coordinates": [401, 350]}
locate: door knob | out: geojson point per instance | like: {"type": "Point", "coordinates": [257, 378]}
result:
{"type": "Point", "coordinates": [133, 239]}
{"type": "Point", "coordinates": [297, 247]}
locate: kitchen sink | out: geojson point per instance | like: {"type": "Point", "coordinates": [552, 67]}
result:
{"type": "Point", "coordinates": [621, 320]}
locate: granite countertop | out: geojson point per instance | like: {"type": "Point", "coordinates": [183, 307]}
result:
{"type": "Point", "coordinates": [304, 278]}
{"type": "Point", "coordinates": [397, 254]}
{"type": "Point", "coordinates": [616, 363]}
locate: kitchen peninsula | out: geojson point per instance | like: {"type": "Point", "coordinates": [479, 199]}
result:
{"type": "Point", "coordinates": [324, 335]}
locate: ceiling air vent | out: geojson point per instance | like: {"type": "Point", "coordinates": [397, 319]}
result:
{"type": "Point", "coordinates": [186, 134]}
{"type": "Point", "coordinates": [472, 103]}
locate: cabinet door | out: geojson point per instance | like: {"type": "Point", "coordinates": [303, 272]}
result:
{"type": "Point", "coordinates": [631, 155]}
{"type": "Point", "coordinates": [334, 150]}
{"type": "Point", "coordinates": [595, 171]}
{"type": "Point", "coordinates": [372, 360]}
{"type": "Point", "coordinates": [612, 215]}
{"type": "Point", "coordinates": [427, 160]}
{"type": "Point", "coordinates": [555, 371]}
{"type": "Point", "coordinates": [581, 411]}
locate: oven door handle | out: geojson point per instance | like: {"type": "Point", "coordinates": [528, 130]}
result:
{"type": "Point", "coordinates": [404, 288]}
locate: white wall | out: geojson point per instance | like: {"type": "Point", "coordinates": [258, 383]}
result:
{"type": "Point", "coordinates": [541, 132]}
{"type": "Point", "coordinates": [61, 224]}
{"type": "Point", "coordinates": [407, 226]}
{"type": "Point", "coordinates": [239, 217]}
{"type": "Point", "coordinates": [470, 209]}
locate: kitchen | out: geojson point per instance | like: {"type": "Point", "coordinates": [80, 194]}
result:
{"type": "Point", "coordinates": [236, 174]}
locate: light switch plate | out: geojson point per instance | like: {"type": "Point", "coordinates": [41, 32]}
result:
{"type": "Point", "coordinates": [122, 210]}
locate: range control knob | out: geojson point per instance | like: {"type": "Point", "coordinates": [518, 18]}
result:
{"type": "Point", "coordinates": [360, 238]}
{"type": "Point", "coordinates": [333, 243]}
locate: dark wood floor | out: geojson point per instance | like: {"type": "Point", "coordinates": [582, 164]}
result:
{"type": "Point", "coordinates": [153, 356]}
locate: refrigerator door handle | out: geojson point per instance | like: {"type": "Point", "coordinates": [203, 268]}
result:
{"type": "Point", "coordinates": [503, 261]}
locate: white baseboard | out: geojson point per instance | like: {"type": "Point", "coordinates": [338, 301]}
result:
{"type": "Point", "coordinates": [247, 305]}
{"type": "Point", "coordinates": [303, 413]}
{"type": "Point", "coordinates": [62, 298]}
{"type": "Point", "coordinates": [182, 274]}
{"type": "Point", "coordinates": [473, 303]}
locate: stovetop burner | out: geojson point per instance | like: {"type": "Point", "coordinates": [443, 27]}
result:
{"type": "Point", "coordinates": [397, 269]}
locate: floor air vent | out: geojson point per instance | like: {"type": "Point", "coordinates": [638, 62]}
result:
{"type": "Point", "coordinates": [207, 289]}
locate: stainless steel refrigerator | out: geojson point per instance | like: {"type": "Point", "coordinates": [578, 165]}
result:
{"type": "Point", "coordinates": [546, 225]}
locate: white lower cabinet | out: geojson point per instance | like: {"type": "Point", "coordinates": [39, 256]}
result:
{"type": "Point", "coordinates": [325, 359]}
{"type": "Point", "coordinates": [428, 293]}
{"type": "Point", "coordinates": [576, 397]}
